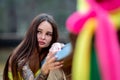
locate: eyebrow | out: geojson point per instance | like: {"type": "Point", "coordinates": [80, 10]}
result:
{"type": "Point", "coordinates": [39, 29]}
{"type": "Point", "coordinates": [49, 32]}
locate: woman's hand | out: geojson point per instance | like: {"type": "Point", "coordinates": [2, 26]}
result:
{"type": "Point", "coordinates": [51, 63]}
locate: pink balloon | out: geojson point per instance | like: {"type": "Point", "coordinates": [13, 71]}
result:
{"type": "Point", "coordinates": [75, 22]}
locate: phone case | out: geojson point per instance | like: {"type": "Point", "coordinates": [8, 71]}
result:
{"type": "Point", "coordinates": [64, 52]}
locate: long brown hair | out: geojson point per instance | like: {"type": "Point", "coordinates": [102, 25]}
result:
{"type": "Point", "coordinates": [29, 45]}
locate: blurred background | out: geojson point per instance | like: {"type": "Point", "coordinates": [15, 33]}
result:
{"type": "Point", "coordinates": [16, 16]}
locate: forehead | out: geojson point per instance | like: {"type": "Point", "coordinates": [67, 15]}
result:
{"type": "Point", "coordinates": [46, 26]}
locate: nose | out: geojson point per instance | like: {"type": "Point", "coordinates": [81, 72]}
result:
{"type": "Point", "coordinates": [43, 36]}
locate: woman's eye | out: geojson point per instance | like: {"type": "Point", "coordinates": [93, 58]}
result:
{"type": "Point", "coordinates": [49, 34]}
{"type": "Point", "coordinates": [39, 32]}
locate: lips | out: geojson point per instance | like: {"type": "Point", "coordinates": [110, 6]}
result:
{"type": "Point", "coordinates": [41, 42]}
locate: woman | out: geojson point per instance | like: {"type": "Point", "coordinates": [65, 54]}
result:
{"type": "Point", "coordinates": [26, 61]}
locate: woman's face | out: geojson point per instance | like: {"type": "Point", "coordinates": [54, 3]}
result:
{"type": "Point", "coordinates": [44, 34]}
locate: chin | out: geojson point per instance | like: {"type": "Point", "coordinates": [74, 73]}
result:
{"type": "Point", "coordinates": [43, 46]}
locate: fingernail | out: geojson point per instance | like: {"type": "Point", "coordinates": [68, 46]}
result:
{"type": "Point", "coordinates": [61, 65]}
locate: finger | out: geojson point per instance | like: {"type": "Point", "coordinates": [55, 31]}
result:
{"type": "Point", "coordinates": [52, 52]}
{"type": "Point", "coordinates": [58, 63]}
{"type": "Point", "coordinates": [51, 60]}
{"type": "Point", "coordinates": [62, 61]}
{"type": "Point", "coordinates": [56, 67]}
{"type": "Point", "coordinates": [50, 55]}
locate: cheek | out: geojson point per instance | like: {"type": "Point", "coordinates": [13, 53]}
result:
{"type": "Point", "coordinates": [37, 36]}
{"type": "Point", "coordinates": [49, 40]}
